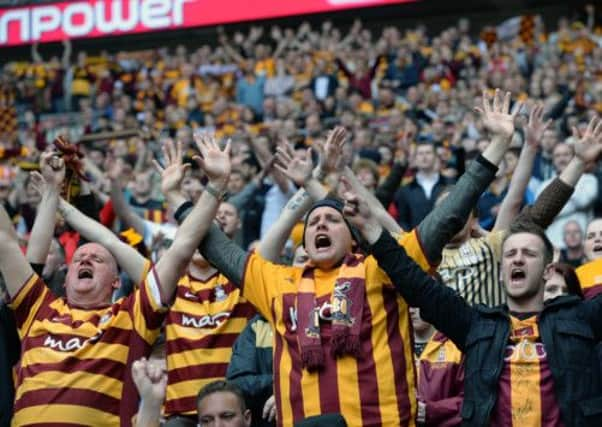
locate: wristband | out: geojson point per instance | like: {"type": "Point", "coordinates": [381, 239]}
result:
{"type": "Point", "coordinates": [214, 192]}
{"type": "Point", "coordinates": [183, 211]}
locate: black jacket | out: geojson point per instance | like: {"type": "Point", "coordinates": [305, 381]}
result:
{"type": "Point", "coordinates": [251, 366]}
{"type": "Point", "coordinates": [570, 330]}
{"type": "Point", "coordinates": [413, 204]}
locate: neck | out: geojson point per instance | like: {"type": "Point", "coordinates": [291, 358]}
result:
{"type": "Point", "coordinates": [86, 303]}
{"type": "Point", "coordinates": [533, 304]}
{"type": "Point", "coordinates": [427, 173]}
{"type": "Point", "coordinates": [201, 272]}
{"type": "Point", "coordinates": [423, 335]}
{"type": "Point", "coordinates": [574, 253]}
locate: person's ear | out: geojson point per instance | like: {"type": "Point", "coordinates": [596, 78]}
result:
{"type": "Point", "coordinates": [247, 417]}
{"type": "Point", "coordinates": [548, 272]}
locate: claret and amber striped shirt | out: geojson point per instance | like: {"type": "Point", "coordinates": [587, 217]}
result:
{"type": "Point", "coordinates": [201, 326]}
{"type": "Point", "coordinates": [375, 389]}
{"type": "Point", "coordinates": [75, 366]}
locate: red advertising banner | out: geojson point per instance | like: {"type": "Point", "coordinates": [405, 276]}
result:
{"type": "Point", "coordinates": [102, 18]}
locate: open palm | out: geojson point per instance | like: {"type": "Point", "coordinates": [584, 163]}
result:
{"type": "Point", "coordinates": [174, 170]}
{"type": "Point", "coordinates": [214, 161]}
{"type": "Point", "coordinates": [296, 168]}
{"type": "Point", "coordinates": [589, 145]}
{"type": "Point", "coordinates": [496, 115]}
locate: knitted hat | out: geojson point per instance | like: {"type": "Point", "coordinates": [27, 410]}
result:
{"type": "Point", "coordinates": [337, 205]}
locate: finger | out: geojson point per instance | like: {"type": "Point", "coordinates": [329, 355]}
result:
{"type": "Point", "coordinates": [576, 133]}
{"type": "Point", "coordinates": [546, 125]}
{"type": "Point", "coordinates": [518, 105]}
{"type": "Point", "coordinates": [179, 150]}
{"type": "Point", "coordinates": [171, 148]}
{"type": "Point", "coordinates": [506, 106]}
{"type": "Point", "coordinates": [590, 126]}
{"type": "Point", "coordinates": [272, 413]}
{"type": "Point", "coordinates": [200, 161]}
{"type": "Point", "coordinates": [496, 101]}
{"type": "Point", "coordinates": [282, 170]}
{"type": "Point", "coordinates": [532, 115]}
{"type": "Point", "coordinates": [165, 154]}
{"type": "Point", "coordinates": [347, 186]}
{"type": "Point", "coordinates": [479, 111]}
{"type": "Point", "coordinates": [158, 166]}
{"type": "Point", "coordinates": [598, 129]}
{"type": "Point", "coordinates": [284, 155]}
{"type": "Point", "coordinates": [486, 102]}
{"type": "Point", "coordinates": [228, 148]}
{"type": "Point", "coordinates": [308, 155]}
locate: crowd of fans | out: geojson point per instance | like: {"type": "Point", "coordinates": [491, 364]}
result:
{"type": "Point", "coordinates": [393, 109]}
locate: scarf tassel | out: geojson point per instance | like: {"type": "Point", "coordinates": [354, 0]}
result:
{"type": "Point", "coordinates": [345, 344]}
{"type": "Point", "coordinates": [313, 358]}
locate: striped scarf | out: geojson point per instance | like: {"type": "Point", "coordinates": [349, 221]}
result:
{"type": "Point", "coordinates": [347, 304]}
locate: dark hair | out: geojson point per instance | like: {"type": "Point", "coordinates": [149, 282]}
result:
{"type": "Point", "coordinates": [570, 278]}
{"type": "Point", "coordinates": [530, 227]}
{"type": "Point", "coordinates": [222, 386]}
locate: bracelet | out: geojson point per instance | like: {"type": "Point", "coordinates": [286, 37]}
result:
{"type": "Point", "coordinates": [214, 192]}
{"type": "Point", "coordinates": [183, 211]}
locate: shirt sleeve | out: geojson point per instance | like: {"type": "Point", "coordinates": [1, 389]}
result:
{"type": "Point", "coordinates": [147, 311]}
{"type": "Point", "coordinates": [263, 281]}
{"type": "Point", "coordinates": [27, 303]}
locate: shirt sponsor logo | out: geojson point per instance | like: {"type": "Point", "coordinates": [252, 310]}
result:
{"type": "Point", "coordinates": [207, 321]}
{"type": "Point", "coordinates": [72, 344]}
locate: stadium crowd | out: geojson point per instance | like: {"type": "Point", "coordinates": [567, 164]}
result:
{"type": "Point", "coordinates": [306, 226]}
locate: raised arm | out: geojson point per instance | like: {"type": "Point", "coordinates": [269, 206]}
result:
{"type": "Point", "coordinates": [13, 264]}
{"type": "Point", "coordinates": [128, 258]}
{"type": "Point", "coordinates": [172, 265]}
{"type": "Point", "coordinates": [512, 202]}
{"type": "Point", "coordinates": [49, 184]}
{"type": "Point", "coordinates": [384, 218]}
{"type": "Point", "coordinates": [439, 305]}
{"type": "Point", "coordinates": [553, 198]}
{"type": "Point", "coordinates": [302, 173]}
{"type": "Point", "coordinates": [123, 211]}
{"type": "Point", "coordinates": [449, 217]}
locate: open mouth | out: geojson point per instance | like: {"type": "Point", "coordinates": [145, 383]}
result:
{"type": "Point", "coordinates": [85, 273]}
{"type": "Point", "coordinates": [597, 247]}
{"type": "Point", "coordinates": [322, 241]}
{"type": "Point", "coordinates": [517, 274]}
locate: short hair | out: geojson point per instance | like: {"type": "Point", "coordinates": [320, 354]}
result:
{"type": "Point", "coordinates": [567, 271]}
{"type": "Point", "coordinates": [530, 227]}
{"type": "Point", "coordinates": [222, 386]}
{"type": "Point", "coordinates": [369, 164]}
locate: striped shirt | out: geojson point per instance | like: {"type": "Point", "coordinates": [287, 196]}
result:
{"type": "Point", "coordinates": [201, 327]}
{"type": "Point", "coordinates": [75, 364]}
{"type": "Point", "coordinates": [590, 278]}
{"type": "Point", "coordinates": [526, 395]}
{"type": "Point", "coordinates": [472, 269]}
{"type": "Point", "coordinates": [375, 389]}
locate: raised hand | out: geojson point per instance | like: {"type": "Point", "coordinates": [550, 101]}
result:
{"type": "Point", "coordinates": [536, 126]}
{"type": "Point", "coordinates": [358, 212]}
{"type": "Point", "coordinates": [174, 170]}
{"type": "Point", "coordinates": [52, 168]}
{"type": "Point", "coordinates": [150, 379]}
{"type": "Point", "coordinates": [215, 162]}
{"type": "Point", "coordinates": [37, 182]}
{"type": "Point", "coordinates": [298, 169]}
{"type": "Point", "coordinates": [497, 117]}
{"type": "Point", "coordinates": [589, 145]}
{"type": "Point", "coordinates": [331, 153]}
